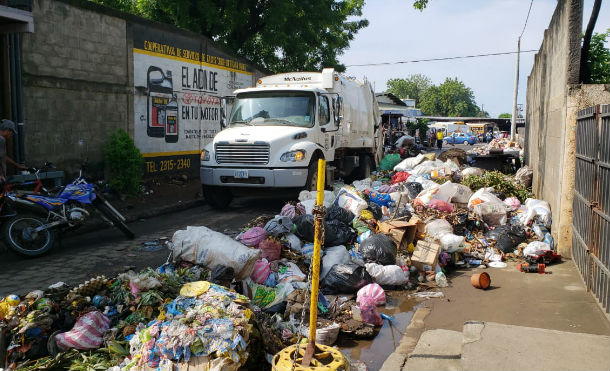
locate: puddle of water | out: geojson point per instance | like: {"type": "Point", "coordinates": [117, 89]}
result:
{"type": "Point", "coordinates": [373, 352]}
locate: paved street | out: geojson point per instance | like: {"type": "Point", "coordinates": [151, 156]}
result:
{"type": "Point", "coordinates": [78, 257]}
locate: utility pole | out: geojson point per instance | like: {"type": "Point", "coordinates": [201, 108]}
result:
{"type": "Point", "coordinates": [513, 123]}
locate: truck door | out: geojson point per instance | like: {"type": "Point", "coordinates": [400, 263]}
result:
{"type": "Point", "coordinates": [329, 128]}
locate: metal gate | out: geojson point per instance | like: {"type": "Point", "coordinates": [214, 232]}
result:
{"type": "Point", "coordinates": [591, 207]}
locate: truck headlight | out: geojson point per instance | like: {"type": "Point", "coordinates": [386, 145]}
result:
{"type": "Point", "coordinates": [293, 156]}
{"type": "Point", "coordinates": [205, 155]}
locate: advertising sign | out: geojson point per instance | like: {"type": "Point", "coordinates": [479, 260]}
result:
{"type": "Point", "coordinates": [178, 83]}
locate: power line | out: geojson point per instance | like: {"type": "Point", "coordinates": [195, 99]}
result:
{"type": "Point", "coordinates": [527, 18]}
{"type": "Point", "coordinates": [439, 59]}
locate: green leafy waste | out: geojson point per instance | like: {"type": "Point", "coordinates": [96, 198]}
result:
{"type": "Point", "coordinates": [500, 183]}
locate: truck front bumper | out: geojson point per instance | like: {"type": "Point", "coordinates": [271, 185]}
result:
{"type": "Point", "coordinates": [263, 178]}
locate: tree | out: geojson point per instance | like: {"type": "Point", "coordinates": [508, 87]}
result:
{"type": "Point", "coordinates": [450, 99]}
{"type": "Point", "coordinates": [287, 35]}
{"type": "Point", "coordinates": [420, 4]}
{"type": "Point", "coordinates": [505, 116]}
{"type": "Point", "coordinates": [410, 87]}
{"type": "Point", "coordinates": [599, 59]}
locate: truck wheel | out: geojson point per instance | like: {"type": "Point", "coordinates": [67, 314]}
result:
{"type": "Point", "coordinates": [364, 171]}
{"type": "Point", "coordinates": [312, 176]}
{"type": "Point", "coordinates": [217, 197]}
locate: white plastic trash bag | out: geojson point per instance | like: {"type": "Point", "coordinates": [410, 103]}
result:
{"type": "Point", "coordinates": [363, 185]}
{"type": "Point", "coordinates": [451, 242]}
{"type": "Point", "coordinates": [203, 246]}
{"type": "Point", "coordinates": [437, 228]}
{"type": "Point", "coordinates": [294, 242]}
{"type": "Point", "coordinates": [329, 196]}
{"type": "Point", "coordinates": [483, 195]}
{"type": "Point", "coordinates": [493, 213]}
{"type": "Point", "coordinates": [469, 171]}
{"type": "Point", "coordinates": [387, 274]}
{"type": "Point", "coordinates": [333, 255]}
{"type": "Point", "coordinates": [349, 199]}
{"type": "Point", "coordinates": [409, 163]}
{"type": "Point", "coordinates": [534, 246]}
{"type": "Point", "coordinates": [309, 204]}
{"type": "Point", "coordinates": [462, 193]}
{"type": "Point", "coordinates": [538, 210]}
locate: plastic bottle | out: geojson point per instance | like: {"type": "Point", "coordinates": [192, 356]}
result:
{"type": "Point", "coordinates": [441, 280]}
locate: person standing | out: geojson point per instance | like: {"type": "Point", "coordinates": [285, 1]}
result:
{"type": "Point", "coordinates": [7, 130]}
{"type": "Point", "coordinates": [439, 139]}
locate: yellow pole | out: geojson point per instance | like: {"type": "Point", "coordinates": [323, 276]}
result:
{"type": "Point", "coordinates": [317, 247]}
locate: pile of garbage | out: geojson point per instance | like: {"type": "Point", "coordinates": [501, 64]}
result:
{"type": "Point", "coordinates": [222, 301]}
{"type": "Point", "coordinates": [498, 145]}
{"type": "Point", "coordinates": [170, 318]}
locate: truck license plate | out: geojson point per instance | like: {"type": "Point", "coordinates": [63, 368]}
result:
{"type": "Point", "coordinates": [241, 174]}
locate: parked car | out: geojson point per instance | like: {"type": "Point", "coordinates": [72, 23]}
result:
{"type": "Point", "coordinates": [461, 138]}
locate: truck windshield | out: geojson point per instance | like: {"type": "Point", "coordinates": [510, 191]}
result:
{"type": "Point", "coordinates": [273, 108]}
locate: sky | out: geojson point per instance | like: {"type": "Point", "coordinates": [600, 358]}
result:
{"type": "Point", "coordinates": [447, 28]}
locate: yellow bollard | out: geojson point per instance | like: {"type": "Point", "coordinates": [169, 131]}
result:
{"type": "Point", "coordinates": [315, 262]}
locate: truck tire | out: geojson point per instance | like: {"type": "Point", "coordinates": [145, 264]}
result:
{"type": "Point", "coordinates": [364, 170]}
{"type": "Point", "coordinates": [217, 197]}
{"type": "Point", "coordinates": [312, 175]}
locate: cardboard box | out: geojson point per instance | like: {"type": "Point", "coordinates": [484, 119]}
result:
{"type": "Point", "coordinates": [403, 232]}
{"type": "Point", "coordinates": [426, 253]}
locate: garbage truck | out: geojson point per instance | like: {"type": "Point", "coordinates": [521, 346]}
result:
{"type": "Point", "coordinates": [277, 131]}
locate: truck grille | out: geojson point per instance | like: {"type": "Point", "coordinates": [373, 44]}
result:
{"type": "Point", "coordinates": [252, 154]}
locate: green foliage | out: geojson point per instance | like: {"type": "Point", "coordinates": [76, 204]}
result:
{"type": "Point", "coordinates": [505, 115]}
{"type": "Point", "coordinates": [599, 59]}
{"type": "Point", "coordinates": [500, 182]}
{"type": "Point", "coordinates": [422, 125]}
{"type": "Point", "coordinates": [125, 163]}
{"type": "Point", "coordinates": [420, 4]}
{"type": "Point", "coordinates": [288, 35]}
{"type": "Point", "coordinates": [91, 361]}
{"type": "Point", "coordinates": [451, 98]}
{"type": "Point", "coordinates": [411, 87]}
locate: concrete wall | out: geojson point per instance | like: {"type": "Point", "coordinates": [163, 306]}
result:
{"type": "Point", "coordinates": [78, 77]}
{"type": "Point", "coordinates": [553, 100]}
{"type": "Point", "coordinates": [75, 77]}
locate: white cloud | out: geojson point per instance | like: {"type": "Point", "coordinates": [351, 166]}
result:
{"type": "Point", "coordinates": [397, 32]}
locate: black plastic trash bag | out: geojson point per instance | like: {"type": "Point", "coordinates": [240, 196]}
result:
{"type": "Point", "coordinates": [305, 227]}
{"type": "Point", "coordinates": [345, 279]}
{"type": "Point", "coordinates": [507, 237]}
{"type": "Point", "coordinates": [414, 189]}
{"type": "Point", "coordinates": [461, 227]}
{"type": "Point", "coordinates": [222, 275]}
{"type": "Point", "coordinates": [403, 214]}
{"type": "Point", "coordinates": [379, 249]}
{"type": "Point", "coordinates": [376, 210]}
{"type": "Point", "coordinates": [337, 233]}
{"type": "Point", "coordinates": [338, 213]}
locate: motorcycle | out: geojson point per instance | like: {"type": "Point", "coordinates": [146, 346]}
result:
{"type": "Point", "coordinates": [39, 218]}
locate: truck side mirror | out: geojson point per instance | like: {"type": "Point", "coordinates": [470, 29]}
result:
{"type": "Point", "coordinates": [338, 109]}
{"type": "Point", "coordinates": [223, 112]}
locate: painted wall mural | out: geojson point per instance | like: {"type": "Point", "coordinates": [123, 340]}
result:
{"type": "Point", "coordinates": [178, 84]}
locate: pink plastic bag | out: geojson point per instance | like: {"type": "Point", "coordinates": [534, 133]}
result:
{"type": "Point", "coordinates": [87, 333]}
{"type": "Point", "coordinates": [369, 312]}
{"type": "Point", "coordinates": [441, 205]}
{"type": "Point", "coordinates": [374, 291]}
{"type": "Point", "coordinates": [261, 271]}
{"type": "Point", "coordinates": [513, 203]}
{"type": "Point", "coordinates": [253, 236]}
{"type": "Point", "coordinates": [270, 249]}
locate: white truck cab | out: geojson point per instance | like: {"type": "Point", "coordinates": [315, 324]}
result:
{"type": "Point", "coordinates": [278, 130]}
